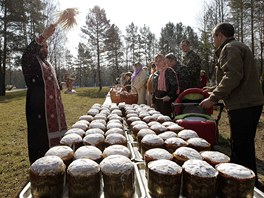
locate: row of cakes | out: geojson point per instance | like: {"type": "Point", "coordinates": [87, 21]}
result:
{"type": "Point", "coordinates": [92, 151]}
{"type": "Point", "coordinates": [159, 131]}
{"type": "Point", "coordinates": [177, 160]}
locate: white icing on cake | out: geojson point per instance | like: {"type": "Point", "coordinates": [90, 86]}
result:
{"type": "Point", "coordinates": [152, 139]}
{"type": "Point", "coordinates": [93, 111]}
{"type": "Point", "coordinates": [114, 120]}
{"type": "Point", "coordinates": [188, 153]}
{"type": "Point", "coordinates": [83, 167]}
{"type": "Point", "coordinates": [93, 139]}
{"type": "Point", "coordinates": [198, 142]}
{"type": "Point", "coordinates": [83, 121]}
{"type": "Point", "coordinates": [167, 134]}
{"type": "Point", "coordinates": [102, 121]}
{"type": "Point", "coordinates": [115, 138]}
{"type": "Point", "coordinates": [175, 141]}
{"type": "Point", "coordinates": [137, 127]}
{"type": "Point", "coordinates": [89, 118]}
{"type": "Point", "coordinates": [114, 125]}
{"type": "Point", "coordinates": [215, 156]}
{"type": "Point", "coordinates": [166, 167]}
{"type": "Point", "coordinates": [100, 116]}
{"type": "Point", "coordinates": [158, 128]}
{"type": "Point", "coordinates": [48, 165]}
{"type": "Point", "coordinates": [153, 123]}
{"type": "Point", "coordinates": [71, 139]}
{"type": "Point", "coordinates": [115, 130]}
{"type": "Point", "coordinates": [117, 111]}
{"type": "Point", "coordinates": [114, 116]}
{"type": "Point", "coordinates": [88, 152]}
{"type": "Point", "coordinates": [94, 130]}
{"type": "Point", "coordinates": [158, 153]}
{"type": "Point", "coordinates": [116, 165]}
{"type": "Point", "coordinates": [78, 131]}
{"type": "Point", "coordinates": [199, 168]}
{"type": "Point", "coordinates": [137, 122]}
{"type": "Point", "coordinates": [97, 125]}
{"type": "Point", "coordinates": [187, 134]}
{"type": "Point", "coordinates": [116, 150]}
{"type": "Point", "coordinates": [175, 127]}
{"type": "Point", "coordinates": [80, 125]}
{"type": "Point", "coordinates": [235, 171]}
{"type": "Point", "coordinates": [61, 151]}
{"type": "Point", "coordinates": [163, 118]}
{"type": "Point", "coordinates": [168, 123]}
{"type": "Point", "coordinates": [143, 132]}
{"type": "Point", "coordinates": [156, 115]}
{"type": "Point", "coordinates": [132, 119]}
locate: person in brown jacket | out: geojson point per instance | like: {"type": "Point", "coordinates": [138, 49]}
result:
{"type": "Point", "coordinates": [238, 86]}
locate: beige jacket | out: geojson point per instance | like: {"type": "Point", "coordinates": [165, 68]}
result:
{"type": "Point", "coordinates": [139, 83]}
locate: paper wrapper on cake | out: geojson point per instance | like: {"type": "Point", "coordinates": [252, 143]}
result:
{"type": "Point", "coordinates": [47, 177]}
{"type": "Point", "coordinates": [235, 180]}
{"type": "Point", "coordinates": [164, 178]}
{"type": "Point", "coordinates": [84, 178]}
{"type": "Point", "coordinates": [199, 179]}
{"type": "Point", "coordinates": [118, 176]}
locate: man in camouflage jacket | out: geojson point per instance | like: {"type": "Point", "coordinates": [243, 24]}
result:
{"type": "Point", "coordinates": [193, 63]}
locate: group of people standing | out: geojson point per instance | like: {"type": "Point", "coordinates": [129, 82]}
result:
{"type": "Point", "coordinates": [237, 85]}
{"type": "Point", "coordinates": [160, 83]}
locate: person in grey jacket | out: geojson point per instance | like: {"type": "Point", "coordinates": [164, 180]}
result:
{"type": "Point", "coordinates": [239, 87]}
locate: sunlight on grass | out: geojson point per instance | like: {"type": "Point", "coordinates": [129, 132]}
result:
{"type": "Point", "coordinates": [14, 164]}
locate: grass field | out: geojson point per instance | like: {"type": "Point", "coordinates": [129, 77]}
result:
{"type": "Point", "coordinates": [14, 164]}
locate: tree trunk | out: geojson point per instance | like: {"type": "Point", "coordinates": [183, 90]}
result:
{"type": "Point", "coordinates": [3, 69]}
{"type": "Point", "coordinates": [98, 67]}
{"type": "Point", "coordinates": [252, 28]}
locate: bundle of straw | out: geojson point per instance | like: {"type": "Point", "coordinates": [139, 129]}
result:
{"type": "Point", "coordinates": [67, 18]}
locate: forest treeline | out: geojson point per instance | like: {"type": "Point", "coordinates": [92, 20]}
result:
{"type": "Point", "coordinates": [104, 52]}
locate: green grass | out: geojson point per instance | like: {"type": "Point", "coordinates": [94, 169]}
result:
{"type": "Point", "coordinates": [14, 164]}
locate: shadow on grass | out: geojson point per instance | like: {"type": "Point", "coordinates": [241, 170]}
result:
{"type": "Point", "coordinates": [13, 96]}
